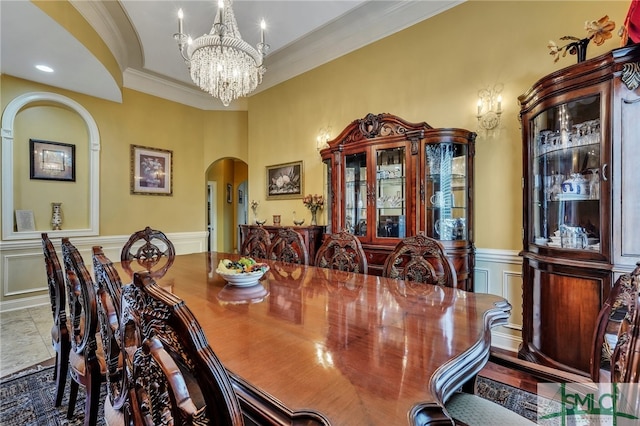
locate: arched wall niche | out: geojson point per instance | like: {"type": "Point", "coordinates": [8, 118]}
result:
{"type": "Point", "coordinates": [8, 122]}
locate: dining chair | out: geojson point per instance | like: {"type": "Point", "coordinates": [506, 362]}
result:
{"type": "Point", "coordinates": [151, 250]}
{"type": "Point", "coordinates": [420, 259]}
{"type": "Point", "coordinates": [615, 323]}
{"type": "Point", "coordinates": [60, 340]}
{"type": "Point", "coordinates": [108, 293]}
{"type": "Point", "coordinates": [175, 375]}
{"type": "Point", "coordinates": [342, 251]}
{"type": "Point", "coordinates": [256, 244]}
{"type": "Point", "coordinates": [86, 357]}
{"type": "Point", "coordinates": [615, 357]}
{"type": "Point", "coordinates": [288, 246]}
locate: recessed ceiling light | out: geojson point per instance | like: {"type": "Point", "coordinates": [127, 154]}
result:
{"type": "Point", "coordinates": [44, 68]}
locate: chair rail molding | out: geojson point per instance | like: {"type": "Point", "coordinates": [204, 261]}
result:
{"type": "Point", "coordinates": [8, 119]}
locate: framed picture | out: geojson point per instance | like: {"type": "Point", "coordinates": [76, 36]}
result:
{"type": "Point", "coordinates": [52, 160]}
{"type": "Point", "coordinates": [229, 193]}
{"type": "Point", "coordinates": [240, 196]}
{"type": "Point", "coordinates": [284, 181]}
{"type": "Point", "coordinates": [151, 171]}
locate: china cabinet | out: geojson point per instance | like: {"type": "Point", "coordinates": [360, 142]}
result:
{"type": "Point", "coordinates": [580, 162]}
{"type": "Point", "coordinates": [389, 179]}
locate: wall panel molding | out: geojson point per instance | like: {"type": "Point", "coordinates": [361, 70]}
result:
{"type": "Point", "coordinates": [23, 271]}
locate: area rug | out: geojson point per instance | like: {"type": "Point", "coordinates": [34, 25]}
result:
{"type": "Point", "coordinates": [28, 397]}
{"type": "Point", "coordinates": [517, 400]}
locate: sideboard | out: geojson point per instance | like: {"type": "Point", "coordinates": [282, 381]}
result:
{"type": "Point", "coordinates": [312, 236]}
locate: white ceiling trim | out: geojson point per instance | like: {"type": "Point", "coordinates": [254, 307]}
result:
{"type": "Point", "coordinates": [379, 19]}
{"type": "Point", "coordinates": [177, 92]}
{"type": "Point", "coordinates": [96, 14]}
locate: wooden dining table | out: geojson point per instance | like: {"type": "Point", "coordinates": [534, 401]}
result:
{"type": "Point", "coordinates": [309, 345]}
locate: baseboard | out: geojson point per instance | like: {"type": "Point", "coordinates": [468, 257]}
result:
{"type": "Point", "coordinates": [23, 303]}
{"type": "Point", "coordinates": [505, 341]}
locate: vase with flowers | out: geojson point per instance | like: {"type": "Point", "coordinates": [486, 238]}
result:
{"type": "Point", "coordinates": [254, 207]}
{"type": "Point", "coordinates": [599, 31]}
{"type": "Point", "coordinates": [314, 203]}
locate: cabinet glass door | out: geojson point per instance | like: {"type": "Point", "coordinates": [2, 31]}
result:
{"type": "Point", "coordinates": [329, 204]}
{"type": "Point", "coordinates": [390, 193]}
{"type": "Point", "coordinates": [356, 194]}
{"type": "Point", "coordinates": [446, 191]}
{"type": "Point", "coordinates": [566, 176]}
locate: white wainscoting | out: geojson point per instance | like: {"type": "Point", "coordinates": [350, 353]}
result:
{"type": "Point", "coordinates": [22, 270]}
{"type": "Point", "coordinates": [499, 272]}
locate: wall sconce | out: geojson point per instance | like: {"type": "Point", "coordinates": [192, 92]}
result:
{"type": "Point", "coordinates": [489, 108]}
{"type": "Point", "coordinates": [323, 138]}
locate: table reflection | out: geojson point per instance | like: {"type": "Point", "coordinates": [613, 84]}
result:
{"type": "Point", "coordinates": [286, 285]}
{"type": "Point", "coordinates": [356, 348]}
{"type": "Point", "coordinates": [242, 295]}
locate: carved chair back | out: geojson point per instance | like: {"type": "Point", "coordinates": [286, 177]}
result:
{"type": "Point", "coordinates": [60, 339]}
{"type": "Point", "coordinates": [420, 259]}
{"type": "Point", "coordinates": [288, 246]}
{"type": "Point", "coordinates": [615, 335]}
{"type": "Point", "coordinates": [175, 375]}
{"type": "Point", "coordinates": [108, 289]}
{"type": "Point", "coordinates": [342, 251]}
{"type": "Point", "coordinates": [151, 250]}
{"type": "Point", "coordinates": [86, 359]}
{"type": "Point", "coordinates": [257, 243]}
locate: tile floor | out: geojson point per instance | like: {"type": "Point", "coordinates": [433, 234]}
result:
{"type": "Point", "coordinates": [25, 338]}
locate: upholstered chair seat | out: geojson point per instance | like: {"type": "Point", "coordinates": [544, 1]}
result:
{"type": "Point", "coordinates": [472, 410]}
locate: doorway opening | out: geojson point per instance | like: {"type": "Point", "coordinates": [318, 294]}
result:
{"type": "Point", "coordinates": [212, 214]}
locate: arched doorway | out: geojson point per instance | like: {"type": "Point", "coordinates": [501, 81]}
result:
{"type": "Point", "coordinates": [226, 192]}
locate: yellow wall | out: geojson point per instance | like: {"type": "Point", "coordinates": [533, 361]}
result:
{"type": "Point", "coordinates": [429, 72]}
{"type": "Point", "coordinates": [51, 124]}
{"type": "Point", "coordinates": [197, 138]}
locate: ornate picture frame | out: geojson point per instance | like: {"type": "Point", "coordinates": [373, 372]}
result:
{"type": "Point", "coordinates": [151, 171]}
{"type": "Point", "coordinates": [52, 160]}
{"type": "Point", "coordinates": [285, 181]}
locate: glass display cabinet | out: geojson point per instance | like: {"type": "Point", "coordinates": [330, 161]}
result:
{"type": "Point", "coordinates": [566, 170]}
{"type": "Point", "coordinates": [580, 172]}
{"type": "Point", "coordinates": [566, 173]}
{"type": "Point", "coordinates": [379, 199]}
{"type": "Point", "coordinates": [447, 190]}
{"type": "Point", "coordinates": [383, 187]}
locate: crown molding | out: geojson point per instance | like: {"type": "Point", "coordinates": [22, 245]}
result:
{"type": "Point", "coordinates": [150, 84]}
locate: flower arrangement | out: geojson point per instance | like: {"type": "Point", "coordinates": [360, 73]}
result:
{"type": "Point", "coordinates": [254, 206]}
{"type": "Point", "coordinates": [599, 31]}
{"type": "Point", "coordinates": [313, 202]}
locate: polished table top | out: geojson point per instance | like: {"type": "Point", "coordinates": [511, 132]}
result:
{"type": "Point", "coordinates": [357, 349]}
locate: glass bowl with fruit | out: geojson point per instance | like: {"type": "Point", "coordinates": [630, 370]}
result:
{"type": "Point", "coordinates": [244, 272]}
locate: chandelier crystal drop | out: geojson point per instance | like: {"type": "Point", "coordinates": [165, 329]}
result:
{"type": "Point", "coordinates": [221, 63]}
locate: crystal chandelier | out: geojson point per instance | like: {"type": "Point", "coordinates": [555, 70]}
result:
{"type": "Point", "coordinates": [221, 62]}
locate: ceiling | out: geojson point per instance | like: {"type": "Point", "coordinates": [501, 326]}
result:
{"type": "Point", "coordinates": [302, 35]}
